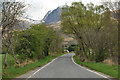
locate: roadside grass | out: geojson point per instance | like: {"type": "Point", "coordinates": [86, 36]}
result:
{"type": "Point", "coordinates": [13, 72]}
{"type": "Point", "coordinates": [10, 60]}
{"type": "Point", "coordinates": [0, 66]}
{"type": "Point", "coordinates": [110, 70]}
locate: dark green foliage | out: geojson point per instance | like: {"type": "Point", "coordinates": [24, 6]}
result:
{"type": "Point", "coordinates": [100, 57]}
{"type": "Point", "coordinates": [34, 43]}
{"type": "Point", "coordinates": [72, 48]}
{"type": "Point", "coordinates": [31, 48]}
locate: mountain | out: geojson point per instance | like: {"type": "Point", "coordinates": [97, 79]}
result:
{"type": "Point", "coordinates": [48, 13]}
{"type": "Point", "coordinates": [32, 20]}
{"type": "Point", "coordinates": [53, 16]}
{"type": "Point", "coordinates": [68, 39]}
{"type": "Point", "coordinates": [25, 22]}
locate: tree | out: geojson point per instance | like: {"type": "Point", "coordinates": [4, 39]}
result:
{"type": "Point", "coordinates": [56, 44]}
{"type": "Point", "coordinates": [94, 27]}
{"type": "Point", "coordinates": [11, 13]}
{"type": "Point", "coordinates": [72, 22]}
{"type": "Point", "coordinates": [48, 40]}
{"type": "Point", "coordinates": [35, 43]}
{"type": "Point", "coordinates": [114, 7]}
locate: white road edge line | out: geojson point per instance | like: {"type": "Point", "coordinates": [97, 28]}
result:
{"type": "Point", "coordinates": [89, 69]}
{"type": "Point", "coordinates": [41, 68]}
{"type": "Point", "coordinates": [73, 62]}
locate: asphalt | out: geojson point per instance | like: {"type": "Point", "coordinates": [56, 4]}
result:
{"type": "Point", "coordinates": [62, 67]}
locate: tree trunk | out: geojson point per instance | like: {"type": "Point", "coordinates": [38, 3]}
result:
{"type": "Point", "coordinates": [119, 38]}
{"type": "Point", "coordinates": [82, 46]}
{"type": "Point", "coordinates": [85, 54]}
{"type": "Point", "coordinates": [89, 52]}
{"type": "Point", "coordinates": [5, 61]}
{"type": "Point", "coordinates": [47, 52]}
{"type": "Point", "coordinates": [16, 60]}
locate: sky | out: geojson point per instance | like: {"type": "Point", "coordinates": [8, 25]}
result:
{"type": "Point", "coordinates": [38, 8]}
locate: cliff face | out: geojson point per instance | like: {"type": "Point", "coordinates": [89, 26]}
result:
{"type": "Point", "coordinates": [53, 16]}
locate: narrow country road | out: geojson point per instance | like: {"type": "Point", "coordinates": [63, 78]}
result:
{"type": "Point", "coordinates": [62, 67]}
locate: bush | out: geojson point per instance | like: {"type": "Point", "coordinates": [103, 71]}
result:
{"type": "Point", "coordinates": [34, 43]}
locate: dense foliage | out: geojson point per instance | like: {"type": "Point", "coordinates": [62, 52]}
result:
{"type": "Point", "coordinates": [95, 30]}
{"type": "Point", "coordinates": [35, 43]}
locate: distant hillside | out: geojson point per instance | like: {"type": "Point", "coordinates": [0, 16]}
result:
{"type": "Point", "coordinates": [32, 20]}
{"type": "Point", "coordinates": [68, 39]}
{"type": "Point", "coordinates": [25, 22]}
{"type": "Point", "coordinates": [53, 16]}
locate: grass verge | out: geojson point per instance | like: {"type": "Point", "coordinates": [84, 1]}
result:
{"type": "Point", "coordinates": [100, 67]}
{"type": "Point", "coordinates": [0, 66]}
{"type": "Point", "coordinates": [13, 71]}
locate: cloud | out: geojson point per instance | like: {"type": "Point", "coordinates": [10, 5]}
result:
{"type": "Point", "coordinates": [96, 2]}
{"type": "Point", "coordinates": [38, 8]}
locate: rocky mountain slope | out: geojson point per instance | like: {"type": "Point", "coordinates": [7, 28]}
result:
{"type": "Point", "coordinates": [53, 16]}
